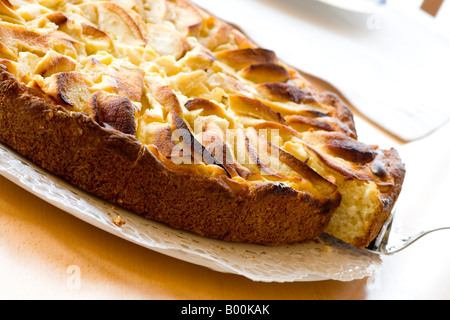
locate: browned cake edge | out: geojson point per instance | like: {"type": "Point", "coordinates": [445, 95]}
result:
{"type": "Point", "coordinates": [118, 168]}
{"type": "Point", "coordinates": [395, 169]}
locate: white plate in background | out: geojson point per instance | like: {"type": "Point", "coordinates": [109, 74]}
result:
{"type": "Point", "coordinates": [363, 6]}
{"type": "Point", "coordinates": [324, 259]}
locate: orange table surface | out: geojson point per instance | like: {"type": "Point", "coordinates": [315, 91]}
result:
{"type": "Point", "coordinates": [43, 250]}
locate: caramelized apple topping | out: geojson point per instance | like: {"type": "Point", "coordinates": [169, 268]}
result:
{"type": "Point", "coordinates": [186, 83]}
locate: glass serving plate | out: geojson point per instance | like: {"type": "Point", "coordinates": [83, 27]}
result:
{"type": "Point", "coordinates": [323, 259]}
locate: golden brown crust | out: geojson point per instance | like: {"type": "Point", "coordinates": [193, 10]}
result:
{"type": "Point", "coordinates": [116, 167]}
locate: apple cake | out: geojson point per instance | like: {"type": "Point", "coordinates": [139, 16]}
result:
{"type": "Point", "coordinates": [166, 110]}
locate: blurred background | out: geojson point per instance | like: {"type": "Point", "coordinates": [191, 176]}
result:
{"type": "Point", "coordinates": [388, 58]}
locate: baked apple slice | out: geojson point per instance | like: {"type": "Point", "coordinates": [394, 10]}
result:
{"type": "Point", "coordinates": [71, 89]}
{"type": "Point", "coordinates": [111, 110]}
{"type": "Point", "coordinates": [185, 16]}
{"type": "Point", "coordinates": [265, 73]}
{"type": "Point", "coordinates": [166, 40]}
{"type": "Point", "coordinates": [54, 62]}
{"type": "Point", "coordinates": [243, 58]}
{"type": "Point", "coordinates": [244, 105]}
{"type": "Point", "coordinates": [8, 14]}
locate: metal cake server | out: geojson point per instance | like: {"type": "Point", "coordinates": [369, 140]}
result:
{"type": "Point", "coordinates": [390, 242]}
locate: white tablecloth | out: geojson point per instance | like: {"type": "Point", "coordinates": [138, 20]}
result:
{"type": "Point", "coordinates": [393, 65]}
